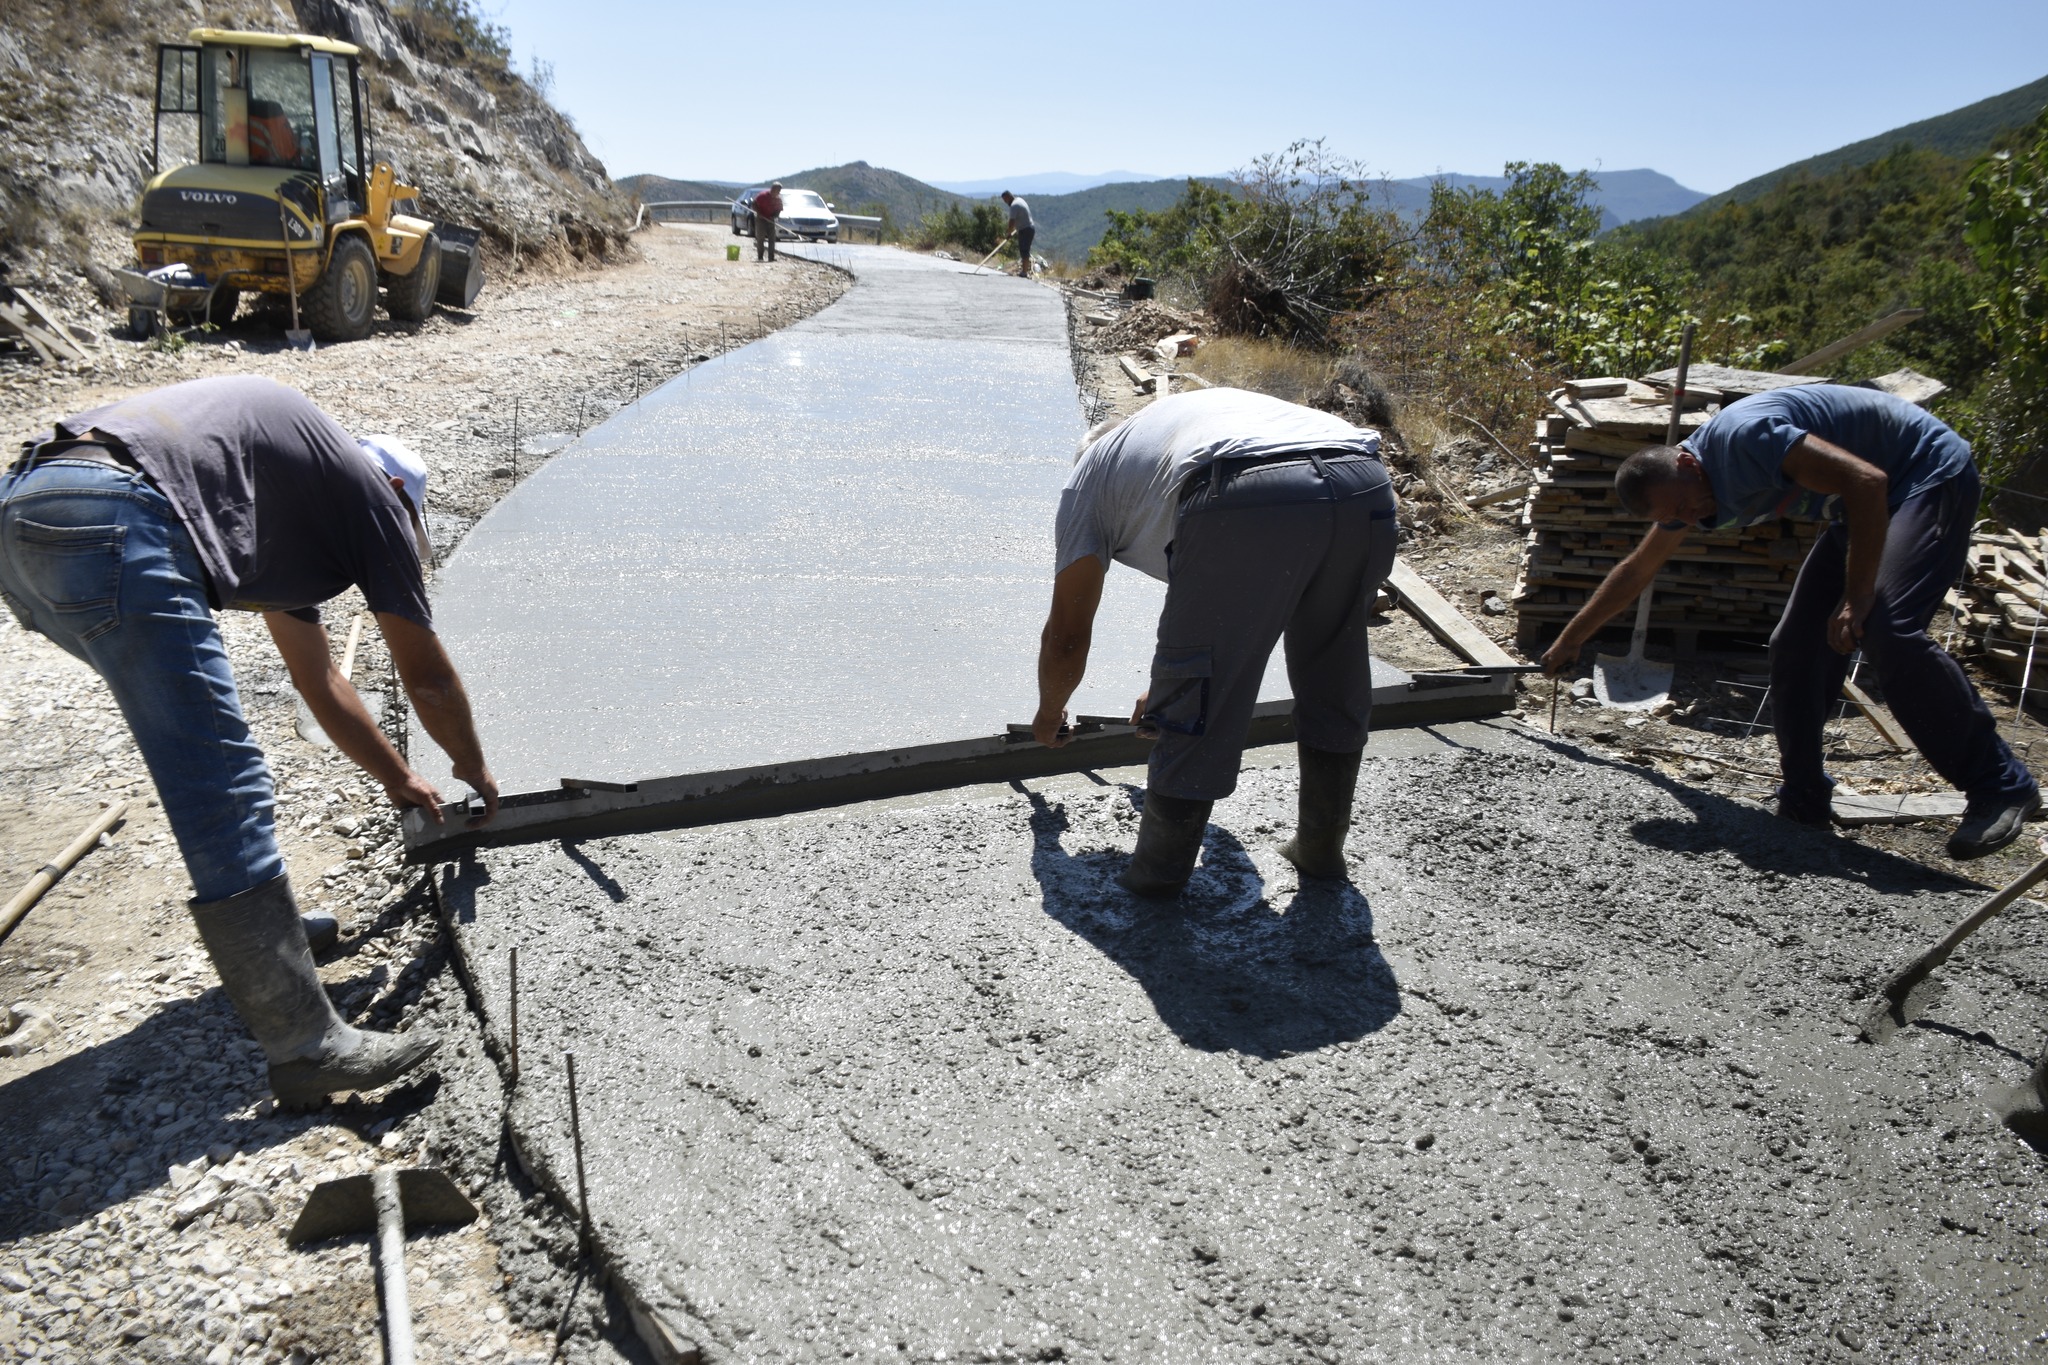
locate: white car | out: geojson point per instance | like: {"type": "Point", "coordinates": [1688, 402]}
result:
{"type": "Point", "coordinates": [805, 216]}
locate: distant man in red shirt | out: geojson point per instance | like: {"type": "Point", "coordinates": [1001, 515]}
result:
{"type": "Point", "coordinates": [767, 208]}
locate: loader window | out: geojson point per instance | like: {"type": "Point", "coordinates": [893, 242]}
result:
{"type": "Point", "coordinates": [280, 109]}
{"type": "Point", "coordinates": [258, 105]}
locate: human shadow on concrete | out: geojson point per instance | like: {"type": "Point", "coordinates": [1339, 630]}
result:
{"type": "Point", "coordinates": [1227, 970]}
{"type": "Point", "coordinates": [1757, 837]}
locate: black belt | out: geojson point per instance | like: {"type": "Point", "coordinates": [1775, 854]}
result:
{"type": "Point", "coordinates": [1212, 480]}
{"type": "Point", "coordinates": [94, 451]}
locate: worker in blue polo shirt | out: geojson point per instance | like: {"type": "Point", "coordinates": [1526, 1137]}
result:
{"type": "Point", "coordinates": [1901, 491]}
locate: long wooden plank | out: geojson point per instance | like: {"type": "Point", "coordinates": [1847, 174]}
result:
{"type": "Point", "coordinates": [1443, 620]}
{"type": "Point", "coordinates": [1879, 718]}
{"type": "Point", "coordinates": [696, 799]}
{"type": "Point", "coordinates": [1856, 340]}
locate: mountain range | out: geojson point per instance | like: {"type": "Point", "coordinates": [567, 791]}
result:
{"type": "Point", "coordinates": [1071, 220]}
{"type": "Point", "coordinates": [1960, 132]}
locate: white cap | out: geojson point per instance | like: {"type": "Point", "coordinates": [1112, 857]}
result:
{"type": "Point", "coordinates": [398, 462]}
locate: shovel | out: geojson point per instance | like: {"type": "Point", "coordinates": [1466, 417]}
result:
{"type": "Point", "coordinates": [296, 337]}
{"type": "Point", "coordinates": [1631, 682]}
{"type": "Point", "coordinates": [1908, 991]}
{"type": "Point", "coordinates": [1634, 683]}
{"type": "Point", "coordinates": [389, 1200]}
{"type": "Point", "coordinates": [309, 724]}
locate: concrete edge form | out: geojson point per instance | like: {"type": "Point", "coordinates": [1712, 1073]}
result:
{"type": "Point", "coordinates": [735, 794]}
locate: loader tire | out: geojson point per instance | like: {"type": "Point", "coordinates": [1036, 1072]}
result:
{"type": "Point", "coordinates": [342, 304]}
{"type": "Point", "coordinates": [410, 298]}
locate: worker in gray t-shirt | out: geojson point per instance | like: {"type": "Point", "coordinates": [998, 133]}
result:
{"type": "Point", "coordinates": [1267, 521]}
{"type": "Point", "coordinates": [1023, 229]}
{"type": "Point", "coordinates": [122, 532]}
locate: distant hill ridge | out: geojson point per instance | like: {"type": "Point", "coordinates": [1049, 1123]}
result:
{"type": "Point", "coordinates": [855, 187]}
{"type": "Point", "coordinates": [1961, 132]}
{"type": "Point", "coordinates": [1070, 224]}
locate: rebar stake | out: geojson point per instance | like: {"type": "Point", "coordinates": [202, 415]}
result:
{"type": "Point", "coordinates": [515, 438]}
{"type": "Point", "coordinates": [515, 1014]}
{"type": "Point", "coordinates": [576, 1139]}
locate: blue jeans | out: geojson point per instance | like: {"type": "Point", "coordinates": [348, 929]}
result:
{"type": "Point", "coordinates": [94, 558]}
{"type": "Point", "coordinates": [1924, 552]}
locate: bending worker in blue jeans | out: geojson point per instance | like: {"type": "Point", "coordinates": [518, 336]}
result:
{"type": "Point", "coordinates": [1266, 520]}
{"type": "Point", "coordinates": [1902, 492]}
{"type": "Point", "coordinates": [121, 532]}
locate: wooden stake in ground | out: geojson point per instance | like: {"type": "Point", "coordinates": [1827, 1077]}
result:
{"type": "Point", "coordinates": [47, 875]}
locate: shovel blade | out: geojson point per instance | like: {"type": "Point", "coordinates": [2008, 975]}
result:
{"type": "Point", "coordinates": [1893, 1010]}
{"type": "Point", "coordinates": [299, 339]}
{"type": "Point", "coordinates": [309, 728]}
{"type": "Point", "coordinates": [1630, 684]}
{"type": "Point", "coordinates": [336, 1208]}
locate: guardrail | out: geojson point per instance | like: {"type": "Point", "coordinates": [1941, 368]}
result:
{"type": "Point", "coordinates": [714, 209]}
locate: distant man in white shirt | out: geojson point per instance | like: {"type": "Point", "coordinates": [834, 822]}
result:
{"type": "Point", "coordinates": [1023, 229]}
{"type": "Point", "coordinates": [1267, 521]}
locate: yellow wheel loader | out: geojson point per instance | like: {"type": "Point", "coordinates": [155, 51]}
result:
{"type": "Point", "coordinates": [283, 197]}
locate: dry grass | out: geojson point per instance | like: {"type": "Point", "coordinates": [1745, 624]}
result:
{"type": "Point", "coordinates": [1269, 367]}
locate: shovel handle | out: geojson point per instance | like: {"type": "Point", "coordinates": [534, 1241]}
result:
{"type": "Point", "coordinates": [1639, 638]}
{"type": "Point", "coordinates": [391, 1266]}
{"type": "Point", "coordinates": [1678, 388]}
{"type": "Point", "coordinates": [1913, 973]}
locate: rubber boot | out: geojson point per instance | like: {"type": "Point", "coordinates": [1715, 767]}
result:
{"type": "Point", "coordinates": [258, 945]}
{"type": "Point", "coordinates": [2023, 1108]}
{"type": "Point", "coordinates": [1327, 783]}
{"type": "Point", "coordinates": [323, 930]}
{"type": "Point", "coordinates": [1169, 837]}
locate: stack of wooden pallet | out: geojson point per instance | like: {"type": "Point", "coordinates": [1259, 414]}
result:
{"type": "Point", "coordinates": [2003, 608]}
{"type": "Point", "coordinates": [1729, 582]}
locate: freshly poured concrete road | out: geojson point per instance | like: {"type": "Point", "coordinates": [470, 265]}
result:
{"type": "Point", "coordinates": [836, 539]}
{"type": "Point", "coordinates": [1562, 1076]}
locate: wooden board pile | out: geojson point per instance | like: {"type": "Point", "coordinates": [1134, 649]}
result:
{"type": "Point", "coordinates": [1724, 581]}
{"type": "Point", "coordinates": [2003, 609]}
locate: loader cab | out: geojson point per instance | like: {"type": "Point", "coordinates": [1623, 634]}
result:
{"type": "Point", "coordinates": [283, 102]}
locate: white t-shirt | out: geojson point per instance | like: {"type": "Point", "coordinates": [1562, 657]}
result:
{"type": "Point", "coordinates": [1020, 216]}
{"type": "Point", "coordinates": [1119, 502]}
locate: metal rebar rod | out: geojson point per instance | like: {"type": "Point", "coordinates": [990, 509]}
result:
{"type": "Point", "coordinates": [514, 972]}
{"type": "Point", "coordinates": [576, 1140]}
{"type": "Point", "coordinates": [515, 438]}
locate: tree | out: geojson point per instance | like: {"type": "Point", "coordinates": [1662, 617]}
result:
{"type": "Point", "coordinates": [2006, 225]}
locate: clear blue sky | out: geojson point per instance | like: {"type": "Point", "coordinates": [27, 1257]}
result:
{"type": "Point", "coordinates": [965, 92]}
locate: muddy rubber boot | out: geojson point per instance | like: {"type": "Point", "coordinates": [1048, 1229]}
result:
{"type": "Point", "coordinates": [1327, 783]}
{"type": "Point", "coordinates": [323, 930]}
{"type": "Point", "coordinates": [1169, 837]}
{"type": "Point", "coordinates": [258, 945]}
{"type": "Point", "coordinates": [2023, 1108]}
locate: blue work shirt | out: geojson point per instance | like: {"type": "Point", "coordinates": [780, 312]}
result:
{"type": "Point", "coordinates": [1742, 449]}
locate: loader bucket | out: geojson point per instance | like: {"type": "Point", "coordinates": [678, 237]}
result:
{"type": "Point", "coordinates": [462, 266]}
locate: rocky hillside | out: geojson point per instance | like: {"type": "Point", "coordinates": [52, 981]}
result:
{"type": "Point", "coordinates": [75, 96]}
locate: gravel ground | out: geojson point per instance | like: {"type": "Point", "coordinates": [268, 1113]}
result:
{"type": "Point", "coordinates": [146, 1185]}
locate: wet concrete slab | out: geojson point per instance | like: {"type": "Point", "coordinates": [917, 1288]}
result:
{"type": "Point", "coordinates": [1563, 1073]}
{"type": "Point", "coordinates": [836, 539]}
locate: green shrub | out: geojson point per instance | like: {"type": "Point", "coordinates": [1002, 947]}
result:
{"type": "Point", "coordinates": [2006, 213]}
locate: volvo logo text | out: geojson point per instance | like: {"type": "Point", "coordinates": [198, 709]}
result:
{"type": "Point", "coordinates": [206, 197]}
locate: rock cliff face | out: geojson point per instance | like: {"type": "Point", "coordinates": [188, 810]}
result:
{"type": "Point", "coordinates": [485, 148]}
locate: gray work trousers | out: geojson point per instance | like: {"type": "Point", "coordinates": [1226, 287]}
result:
{"type": "Point", "coordinates": [764, 238]}
{"type": "Point", "coordinates": [1295, 548]}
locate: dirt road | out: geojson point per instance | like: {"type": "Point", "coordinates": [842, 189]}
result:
{"type": "Point", "coordinates": [147, 1186]}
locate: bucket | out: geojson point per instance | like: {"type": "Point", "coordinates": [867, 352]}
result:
{"type": "Point", "coordinates": [1140, 288]}
{"type": "Point", "coordinates": [732, 252]}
